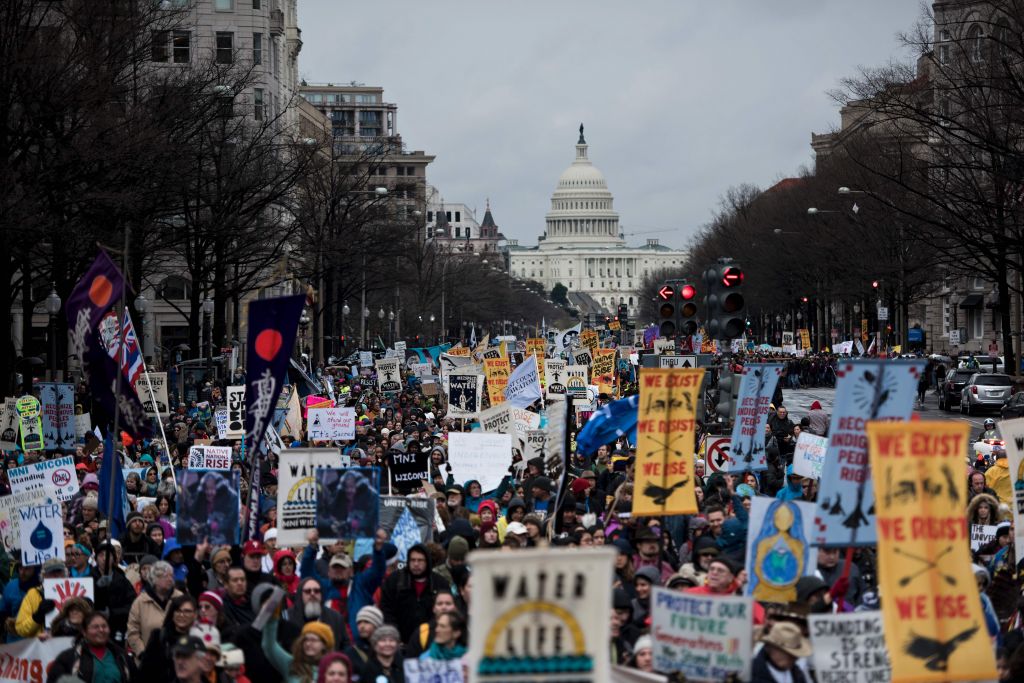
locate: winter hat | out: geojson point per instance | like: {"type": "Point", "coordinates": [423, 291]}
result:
{"type": "Point", "coordinates": [133, 516]}
{"type": "Point", "coordinates": [579, 486]}
{"type": "Point", "coordinates": [488, 505]}
{"type": "Point", "coordinates": [623, 546]}
{"type": "Point", "coordinates": [649, 574]}
{"type": "Point", "coordinates": [209, 634]}
{"type": "Point", "coordinates": [729, 563]}
{"type": "Point", "coordinates": [213, 599]}
{"type": "Point", "coordinates": [321, 631]}
{"type": "Point", "coordinates": [222, 552]}
{"type": "Point", "coordinates": [331, 658]}
{"type": "Point", "coordinates": [371, 615]}
{"type": "Point", "coordinates": [806, 586]}
{"type": "Point", "coordinates": [385, 631]}
{"type": "Point", "coordinates": [484, 528]}
{"type": "Point", "coordinates": [271, 534]}
{"type": "Point", "coordinates": [231, 656]}
{"type": "Point", "coordinates": [458, 548]}
{"type": "Point", "coordinates": [91, 481]}
{"type": "Point", "coordinates": [816, 406]}
{"type": "Point", "coordinates": [643, 643]}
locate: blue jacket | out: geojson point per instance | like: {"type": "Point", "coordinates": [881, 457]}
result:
{"type": "Point", "coordinates": [13, 594]}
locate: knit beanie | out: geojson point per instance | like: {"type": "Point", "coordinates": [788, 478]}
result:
{"type": "Point", "coordinates": [223, 551]}
{"type": "Point", "coordinates": [371, 615]}
{"type": "Point", "coordinates": [213, 599]}
{"type": "Point", "coordinates": [325, 664]}
{"type": "Point", "coordinates": [385, 631]}
{"type": "Point", "coordinates": [458, 548]}
{"type": "Point", "coordinates": [321, 631]}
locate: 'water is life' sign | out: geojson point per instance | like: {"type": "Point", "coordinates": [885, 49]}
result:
{"type": "Point", "coordinates": [42, 534]}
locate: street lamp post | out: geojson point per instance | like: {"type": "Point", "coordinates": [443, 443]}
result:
{"type": "Point", "coordinates": [345, 310]}
{"type": "Point", "coordinates": [391, 326]}
{"type": "Point", "coordinates": [303, 325]}
{"type": "Point", "coordinates": [208, 335]}
{"type": "Point", "coordinates": [53, 304]}
{"type": "Point", "coordinates": [365, 323]}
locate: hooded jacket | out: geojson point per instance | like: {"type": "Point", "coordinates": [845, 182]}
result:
{"type": "Point", "coordinates": [819, 420]}
{"type": "Point", "coordinates": [998, 479]}
{"type": "Point", "coordinates": [972, 509]}
{"type": "Point", "coordinates": [400, 602]}
{"type": "Point", "coordinates": [506, 519]}
{"type": "Point", "coordinates": [289, 583]}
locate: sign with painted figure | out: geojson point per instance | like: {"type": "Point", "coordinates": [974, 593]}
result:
{"type": "Point", "coordinates": [42, 534]}
{"type": "Point", "coordinates": [296, 492]}
{"type": "Point", "coordinates": [347, 505]}
{"type": "Point", "coordinates": [209, 457]}
{"type": "Point", "coordinates": [465, 393]}
{"type": "Point", "coordinates": [556, 376]}
{"type": "Point", "coordinates": [10, 526]}
{"type": "Point", "coordinates": [849, 647]}
{"type": "Point", "coordinates": [589, 340]}
{"type": "Point", "coordinates": [703, 637]}
{"type": "Point", "coordinates": [665, 441]}
{"type": "Point", "coordinates": [788, 338]}
{"type": "Point", "coordinates": [480, 455]}
{"type": "Point", "coordinates": [408, 520]}
{"type": "Point", "coordinates": [62, 590]}
{"type": "Point", "coordinates": [809, 455]}
{"type": "Point", "coordinates": [56, 477]}
{"type": "Point", "coordinates": [865, 390]}
{"type": "Point", "coordinates": [236, 412]}
{"type": "Point", "coordinates": [757, 385]}
{"type": "Point", "coordinates": [331, 424]}
{"type": "Point", "coordinates": [155, 404]}
{"type": "Point", "coordinates": [9, 424]}
{"type": "Point", "coordinates": [779, 548]}
{"type": "Point", "coordinates": [57, 405]}
{"type": "Point", "coordinates": [208, 504]}
{"type": "Point", "coordinates": [1012, 432]}
{"type": "Point", "coordinates": [604, 369]}
{"type": "Point", "coordinates": [498, 371]}
{"type": "Point", "coordinates": [31, 423]}
{"type": "Point", "coordinates": [934, 624]}
{"type": "Point", "coordinates": [389, 376]}
{"type": "Point", "coordinates": [543, 616]}
{"type": "Point", "coordinates": [577, 377]}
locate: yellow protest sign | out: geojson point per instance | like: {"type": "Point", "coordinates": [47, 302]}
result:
{"type": "Point", "coordinates": [458, 351]}
{"type": "Point", "coordinates": [864, 330]}
{"type": "Point", "coordinates": [603, 370]}
{"type": "Point", "coordinates": [805, 338]}
{"type": "Point", "coordinates": [934, 626]}
{"type": "Point", "coordinates": [497, 371]}
{"type": "Point", "coordinates": [537, 346]}
{"type": "Point", "coordinates": [665, 442]}
{"type": "Point", "coordinates": [614, 325]}
{"type": "Point", "coordinates": [588, 338]}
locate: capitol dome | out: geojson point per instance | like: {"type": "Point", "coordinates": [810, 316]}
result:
{"type": "Point", "coordinates": [582, 212]}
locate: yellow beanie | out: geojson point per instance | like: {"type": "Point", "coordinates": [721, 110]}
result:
{"type": "Point", "coordinates": [320, 630]}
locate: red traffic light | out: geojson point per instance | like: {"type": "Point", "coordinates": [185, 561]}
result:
{"type": "Point", "coordinates": [688, 292]}
{"type": "Point", "coordinates": [732, 276]}
{"type": "Point", "coordinates": [666, 292]}
{"type": "Point", "coordinates": [874, 283]}
{"type": "Point", "coordinates": [803, 299]}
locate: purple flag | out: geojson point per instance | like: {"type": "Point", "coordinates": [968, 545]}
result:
{"type": "Point", "coordinates": [90, 303]}
{"type": "Point", "coordinates": [273, 324]}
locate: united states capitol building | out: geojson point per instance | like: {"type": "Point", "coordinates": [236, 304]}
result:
{"type": "Point", "coordinates": [582, 246]}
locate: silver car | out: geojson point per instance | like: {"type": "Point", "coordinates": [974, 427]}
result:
{"type": "Point", "coordinates": [985, 390]}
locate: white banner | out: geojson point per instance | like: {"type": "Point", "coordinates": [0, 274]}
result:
{"type": "Point", "coordinates": [481, 456]}
{"type": "Point", "coordinates": [27, 661]}
{"type": "Point", "coordinates": [555, 378]}
{"type": "Point", "coordinates": [496, 419]}
{"type": "Point", "coordinates": [56, 477]}
{"type": "Point", "coordinates": [157, 380]}
{"type": "Point", "coordinates": [42, 534]}
{"type": "Point", "coordinates": [220, 416]}
{"type": "Point", "coordinates": [389, 376]}
{"type": "Point", "coordinates": [809, 456]}
{"type": "Point", "coordinates": [521, 599]}
{"type": "Point", "coordinates": [209, 457]}
{"type": "Point", "coordinates": [10, 526]}
{"type": "Point", "coordinates": [236, 412]}
{"type": "Point", "coordinates": [705, 637]}
{"type": "Point", "coordinates": [83, 425]}
{"type": "Point", "coordinates": [982, 534]}
{"type": "Point", "coordinates": [331, 424]}
{"type": "Point", "coordinates": [421, 370]}
{"type": "Point", "coordinates": [849, 647]}
{"type": "Point", "coordinates": [296, 491]}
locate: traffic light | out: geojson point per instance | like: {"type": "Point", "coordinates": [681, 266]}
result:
{"type": "Point", "coordinates": [726, 317]}
{"type": "Point", "coordinates": [667, 311]}
{"type": "Point", "coordinates": [728, 394]}
{"type": "Point", "coordinates": [623, 314]}
{"type": "Point", "coordinates": [688, 311]}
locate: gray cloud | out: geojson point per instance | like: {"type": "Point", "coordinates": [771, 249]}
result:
{"type": "Point", "coordinates": [680, 99]}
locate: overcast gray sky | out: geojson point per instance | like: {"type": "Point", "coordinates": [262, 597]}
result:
{"type": "Point", "coordinates": [681, 99]}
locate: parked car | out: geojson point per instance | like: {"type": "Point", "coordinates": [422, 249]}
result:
{"type": "Point", "coordinates": [985, 390]}
{"type": "Point", "coordinates": [1013, 406]}
{"type": "Point", "coordinates": [949, 392]}
{"type": "Point", "coordinates": [982, 363]}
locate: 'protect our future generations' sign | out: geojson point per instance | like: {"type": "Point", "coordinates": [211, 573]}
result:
{"type": "Point", "coordinates": [704, 637]}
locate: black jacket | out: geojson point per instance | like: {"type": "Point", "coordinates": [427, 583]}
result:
{"type": "Point", "coordinates": [759, 672]}
{"type": "Point", "coordinates": [77, 661]}
{"type": "Point", "coordinates": [398, 599]}
{"type": "Point", "coordinates": [116, 599]}
{"type": "Point", "coordinates": [371, 671]}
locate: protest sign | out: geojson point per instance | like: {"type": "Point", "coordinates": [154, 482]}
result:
{"type": "Point", "coordinates": [42, 534]}
{"type": "Point", "coordinates": [29, 660]}
{"type": "Point", "coordinates": [1012, 432]}
{"type": "Point", "coordinates": [10, 526]}
{"type": "Point", "coordinates": [757, 385]}
{"type": "Point", "coordinates": [331, 424]}
{"type": "Point", "coordinates": [208, 507]}
{"type": "Point", "coordinates": [496, 419]}
{"type": "Point", "coordinates": [61, 590]}
{"type": "Point", "coordinates": [779, 548]}
{"type": "Point", "coordinates": [220, 418]}
{"type": "Point", "coordinates": [662, 346]}
{"type": "Point", "coordinates": [366, 359]}
{"type": "Point", "coordinates": [533, 447]}
{"type": "Point", "coordinates": [493, 352]}
{"type": "Point", "coordinates": [704, 637]}
{"type": "Point", "coordinates": [589, 341]}
{"type": "Point", "coordinates": [433, 670]}
{"type": "Point", "coordinates": [524, 384]}
{"type": "Point", "coordinates": [389, 377]}
{"type": "Point", "coordinates": [982, 534]}
{"type": "Point", "coordinates": [408, 470]}
{"type": "Point", "coordinates": [523, 421]}
{"type": "Point", "coordinates": [407, 520]}
{"type": "Point", "coordinates": [604, 369]}
{"type": "Point", "coordinates": [9, 424]}
{"type": "Point", "coordinates": [849, 648]}
{"type": "Point", "coordinates": [582, 357]}
{"type": "Point", "coordinates": [205, 410]}
{"type": "Point", "coordinates": [346, 502]}
{"type": "Point", "coordinates": [498, 371]}
{"type": "Point", "coordinates": [296, 491]}
{"type": "Point", "coordinates": [209, 457]}
{"type": "Point", "coordinates": [459, 351]}
{"type": "Point", "coordinates": [537, 346]}
{"type": "Point", "coordinates": [481, 456]}
{"type": "Point", "coordinates": [421, 370]}
{"type": "Point", "coordinates": [543, 615]}
{"type": "Point", "coordinates": [31, 423]}
{"type": "Point", "coordinates": [400, 349]}
{"type": "Point", "coordinates": [158, 381]}
{"type": "Point", "coordinates": [566, 339]}
{"type": "Point", "coordinates": [576, 381]}
{"type": "Point", "coordinates": [866, 390]}
{"type": "Point", "coordinates": [56, 477]}
{"type": "Point", "coordinates": [932, 613]}
{"type": "Point", "coordinates": [236, 412]}
{"type": "Point", "coordinates": [809, 456]}
{"type": "Point", "coordinates": [664, 469]}
{"type": "Point", "coordinates": [57, 405]}
{"type": "Point", "coordinates": [465, 392]}
{"type": "Point", "coordinates": [556, 376]}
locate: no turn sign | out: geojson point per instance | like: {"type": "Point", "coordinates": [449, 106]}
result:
{"type": "Point", "coordinates": [718, 453]}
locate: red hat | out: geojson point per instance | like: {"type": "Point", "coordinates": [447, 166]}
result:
{"type": "Point", "coordinates": [816, 406]}
{"type": "Point", "coordinates": [253, 548]}
{"type": "Point", "coordinates": [213, 599]}
{"type": "Point", "coordinates": [82, 466]}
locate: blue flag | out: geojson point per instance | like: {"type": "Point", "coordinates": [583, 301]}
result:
{"type": "Point", "coordinates": [866, 390]}
{"type": "Point", "coordinates": [615, 419]}
{"type": "Point", "coordinates": [116, 507]}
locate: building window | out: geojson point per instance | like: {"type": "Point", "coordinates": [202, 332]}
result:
{"type": "Point", "coordinates": [975, 322]}
{"type": "Point", "coordinates": [430, 216]}
{"type": "Point", "coordinates": [947, 308]}
{"type": "Point", "coordinates": [458, 216]}
{"type": "Point", "coordinates": [225, 107]}
{"type": "Point", "coordinates": [225, 39]}
{"type": "Point", "coordinates": [174, 288]}
{"type": "Point", "coordinates": [448, 217]}
{"type": "Point", "coordinates": [458, 232]}
{"type": "Point", "coordinates": [224, 5]}
{"type": "Point", "coordinates": [257, 48]}
{"type": "Point", "coordinates": [256, 4]}
{"type": "Point", "coordinates": [160, 51]}
{"type": "Point", "coordinates": [182, 47]}
{"type": "Point", "coordinates": [259, 107]}
{"type": "Point", "coordinates": [975, 44]}
{"type": "Point", "coordinates": [943, 47]}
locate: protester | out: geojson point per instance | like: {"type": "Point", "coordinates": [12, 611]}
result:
{"type": "Point", "coordinates": [95, 657]}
